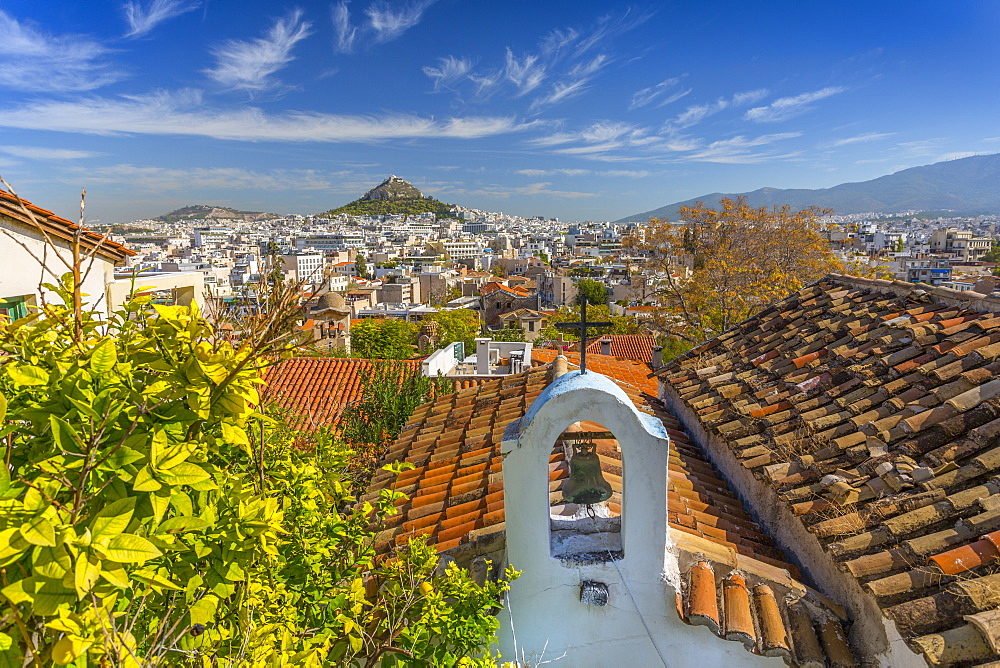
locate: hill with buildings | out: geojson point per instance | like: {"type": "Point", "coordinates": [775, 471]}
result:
{"type": "Point", "coordinates": [963, 186]}
{"type": "Point", "coordinates": [209, 212]}
{"type": "Point", "coordinates": [394, 195]}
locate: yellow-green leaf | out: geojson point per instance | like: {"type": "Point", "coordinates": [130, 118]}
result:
{"type": "Point", "coordinates": [128, 548]}
{"type": "Point", "coordinates": [234, 435]}
{"type": "Point", "coordinates": [112, 519]}
{"type": "Point", "coordinates": [46, 595]}
{"type": "Point", "coordinates": [203, 610]}
{"type": "Point", "coordinates": [27, 374]}
{"type": "Point", "coordinates": [154, 579]}
{"type": "Point", "coordinates": [88, 569]}
{"type": "Point", "coordinates": [145, 482]}
{"type": "Point", "coordinates": [114, 573]}
{"type": "Point", "coordinates": [181, 524]}
{"type": "Point", "coordinates": [68, 648]}
{"type": "Point", "coordinates": [104, 357]}
{"type": "Point", "coordinates": [39, 531]}
{"type": "Point", "coordinates": [184, 473]}
{"type": "Point", "coordinates": [3, 410]}
{"type": "Point", "coordinates": [51, 562]}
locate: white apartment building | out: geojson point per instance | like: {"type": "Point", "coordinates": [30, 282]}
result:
{"type": "Point", "coordinates": [211, 236]}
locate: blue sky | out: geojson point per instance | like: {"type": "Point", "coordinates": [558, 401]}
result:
{"type": "Point", "coordinates": [578, 110]}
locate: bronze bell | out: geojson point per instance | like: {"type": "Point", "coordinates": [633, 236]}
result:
{"type": "Point", "coordinates": [586, 484]}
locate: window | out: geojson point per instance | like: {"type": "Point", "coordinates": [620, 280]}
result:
{"type": "Point", "coordinates": [13, 308]}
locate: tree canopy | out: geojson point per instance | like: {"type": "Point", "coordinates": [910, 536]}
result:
{"type": "Point", "coordinates": [457, 325]}
{"type": "Point", "coordinates": [595, 291]}
{"type": "Point", "coordinates": [383, 339]}
{"type": "Point", "coordinates": [740, 259]}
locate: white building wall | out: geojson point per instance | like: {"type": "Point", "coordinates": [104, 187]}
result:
{"type": "Point", "coordinates": [21, 274]}
{"type": "Point", "coordinates": [544, 617]}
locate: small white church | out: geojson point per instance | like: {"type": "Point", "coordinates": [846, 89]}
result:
{"type": "Point", "coordinates": [633, 552]}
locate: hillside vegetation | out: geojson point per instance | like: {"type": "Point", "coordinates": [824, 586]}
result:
{"type": "Point", "coordinates": [392, 196]}
{"type": "Point", "coordinates": [196, 211]}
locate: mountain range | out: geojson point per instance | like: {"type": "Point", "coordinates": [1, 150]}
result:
{"type": "Point", "coordinates": [963, 186]}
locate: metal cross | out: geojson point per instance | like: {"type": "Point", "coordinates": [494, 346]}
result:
{"type": "Point", "coordinates": [582, 326]}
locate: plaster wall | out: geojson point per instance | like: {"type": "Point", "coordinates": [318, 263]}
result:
{"type": "Point", "coordinates": [20, 273]}
{"type": "Point", "coordinates": [190, 287]}
{"type": "Point", "coordinates": [873, 635]}
{"type": "Point", "coordinates": [544, 618]}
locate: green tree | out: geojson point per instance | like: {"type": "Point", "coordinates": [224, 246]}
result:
{"type": "Point", "coordinates": [456, 325]}
{"type": "Point", "coordinates": [595, 291]}
{"type": "Point", "coordinates": [390, 392]}
{"type": "Point", "coordinates": [326, 599]}
{"type": "Point", "coordinates": [383, 339]}
{"type": "Point", "coordinates": [361, 266]}
{"type": "Point", "coordinates": [993, 254]}
{"type": "Point", "coordinates": [508, 334]}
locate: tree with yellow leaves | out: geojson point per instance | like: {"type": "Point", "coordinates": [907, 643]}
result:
{"type": "Point", "coordinates": [720, 266]}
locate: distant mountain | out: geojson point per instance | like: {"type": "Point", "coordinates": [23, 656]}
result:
{"type": "Point", "coordinates": [197, 211]}
{"type": "Point", "coordinates": [965, 186]}
{"type": "Point", "coordinates": [394, 195]}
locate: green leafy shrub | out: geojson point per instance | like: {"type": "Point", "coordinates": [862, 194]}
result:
{"type": "Point", "coordinates": [150, 516]}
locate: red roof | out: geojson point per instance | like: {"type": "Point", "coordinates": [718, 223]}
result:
{"type": "Point", "coordinates": [635, 374]}
{"type": "Point", "coordinates": [636, 347]}
{"type": "Point", "coordinates": [317, 389]}
{"type": "Point", "coordinates": [60, 227]}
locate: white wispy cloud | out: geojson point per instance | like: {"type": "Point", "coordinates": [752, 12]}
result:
{"type": "Point", "coordinates": [142, 18]}
{"type": "Point", "coordinates": [647, 95]}
{"type": "Point", "coordinates": [164, 179]}
{"type": "Point", "coordinates": [786, 107]}
{"type": "Point", "coordinates": [184, 113]}
{"type": "Point", "coordinates": [33, 60]}
{"type": "Point", "coordinates": [343, 30]}
{"type": "Point", "coordinates": [553, 172]}
{"type": "Point", "coordinates": [857, 139]}
{"type": "Point", "coordinates": [45, 153]}
{"type": "Point", "coordinates": [449, 70]}
{"type": "Point", "coordinates": [389, 21]}
{"type": "Point", "coordinates": [696, 113]}
{"type": "Point", "coordinates": [575, 82]}
{"type": "Point", "coordinates": [625, 173]}
{"type": "Point", "coordinates": [504, 192]}
{"type": "Point", "coordinates": [248, 65]}
{"type": "Point", "coordinates": [750, 96]}
{"type": "Point", "coordinates": [525, 73]}
{"type": "Point", "coordinates": [560, 68]}
{"type": "Point", "coordinates": [738, 149]}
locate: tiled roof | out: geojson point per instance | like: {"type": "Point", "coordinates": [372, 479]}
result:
{"type": "Point", "coordinates": [494, 286]}
{"type": "Point", "coordinates": [60, 227]}
{"type": "Point", "coordinates": [455, 498]}
{"type": "Point", "coordinates": [522, 313]}
{"type": "Point", "coordinates": [873, 409]}
{"type": "Point", "coordinates": [316, 389]}
{"type": "Point", "coordinates": [636, 347]}
{"type": "Point", "coordinates": [627, 371]}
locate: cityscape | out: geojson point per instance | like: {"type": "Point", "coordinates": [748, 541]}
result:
{"type": "Point", "coordinates": [430, 333]}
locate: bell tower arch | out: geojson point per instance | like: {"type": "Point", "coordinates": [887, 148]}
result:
{"type": "Point", "coordinates": [590, 609]}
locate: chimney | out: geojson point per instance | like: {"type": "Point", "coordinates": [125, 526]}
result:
{"type": "Point", "coordinates": [559, 366]}
{"type": "Point", "coordinates": [482, 356]}
{"type": "Point", "coordinates": [657, 360]}
{"type": "Point", "coordinates": [605, 346]}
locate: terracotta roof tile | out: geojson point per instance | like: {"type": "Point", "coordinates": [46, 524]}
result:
{"type": "Point", "coordinates": [316, 390]}
{"type": "Point", "coordinates": [890, 460]}
{"type": "Point", "coordinates": [60, 227]}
